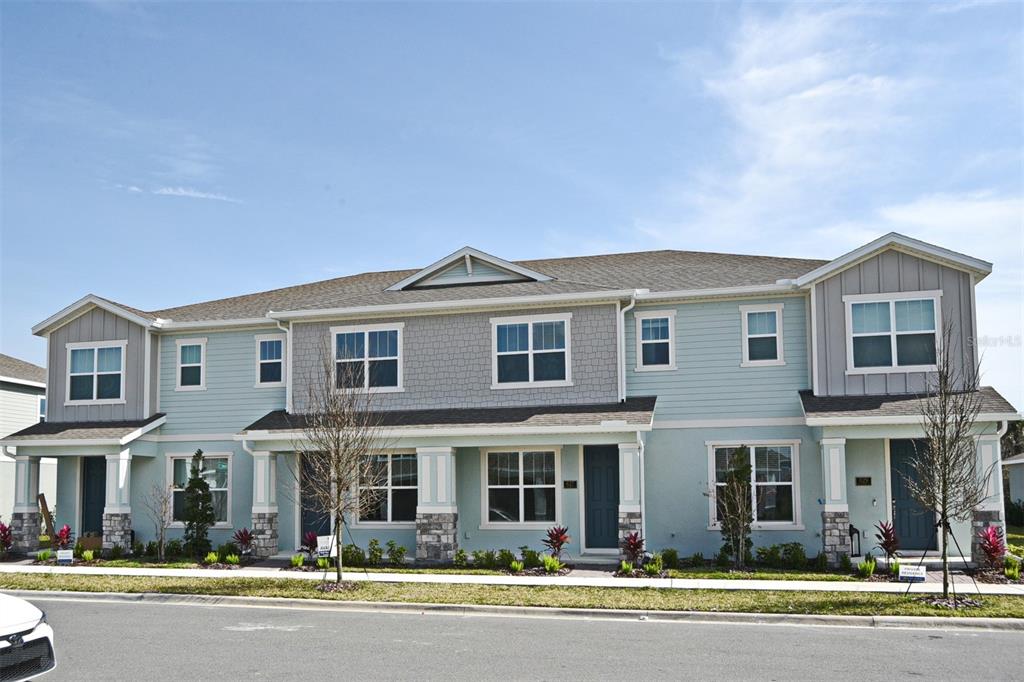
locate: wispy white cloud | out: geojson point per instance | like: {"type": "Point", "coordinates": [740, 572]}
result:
{"type": "Point", "coordinates": [129, 188]}
{"type": "Point", "coordinates": [960, 6]}
{"type": "Point", "coordinates": [192, 193]}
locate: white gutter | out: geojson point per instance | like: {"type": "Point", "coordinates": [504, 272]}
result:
{"type": "Point", "coordinates": [171, 325]}
{"type": "Point", "coordinates": [620, 334]}
{"type": "Point", "coordinates": [288, 374]}
{"type": "Point", "coordinates": [24, 382]}
{"type": "Point", "coordinates": [413, 432]}
{"type": "Point", "coordinates": [780, 287]}
{"type": "Point", "coordinates": [909, 420]}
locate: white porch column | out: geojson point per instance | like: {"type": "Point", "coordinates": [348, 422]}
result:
{"type": "Point", "coordinates": [26, 520]}
{"type": "Point", "coordinates": [437, 513]}
{"type": "Point", "coordinates": [630, 504]}
{"type": "Point", "coordinates": [835, 515]}
{"type": "Point", "coordinates": [990, 511]}
{"type": "Point", "coordinates": [264, 503]}
{"type": "Point", "coordinates": [117, 510]}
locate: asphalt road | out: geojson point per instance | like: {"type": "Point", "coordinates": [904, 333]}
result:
{"type": "Point", "coordinates": [125, 641]}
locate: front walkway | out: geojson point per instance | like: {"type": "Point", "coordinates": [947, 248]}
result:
{"type": "Point", "coordinates": [570, 580]}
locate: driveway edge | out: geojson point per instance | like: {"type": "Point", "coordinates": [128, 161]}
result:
{"type": "Point", "coordinates": [914, 622]}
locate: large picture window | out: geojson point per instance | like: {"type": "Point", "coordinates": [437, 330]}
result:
{"type": "Point", "coordinates": [388, 493]}
{"type": "Point", "coordinates": [96, 373]}
{"type": "Point", "coordinates": [217, 474]}
{"type": "Point", "coordinates": [531, 350]}
{"type": "Point", "coordinates": [897, 332]}
{"type": "Point", "coordinates": [521, 486]}
{"type": "Point", "coordinates": [774, 486]}
{"type": "Point", "coordinates": [368, 358]}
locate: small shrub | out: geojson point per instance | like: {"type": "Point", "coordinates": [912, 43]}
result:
{"type": "Point", "coordinates": [396, 553]}
{"type": "Point", "coordinates": [485, 558]}
{"type": "Point", "coordinates": [298, 560]}
{"type": "Point", "coordinates": [770, 556]}
{"type": "Point", "coordinates": [374, 553]}
{"type": "Point", "coordinates": [866, 568]}
{"type": "Point", "coordinates": [460, 559]}
{"type": "Point", "coordinates": [552, 564]}
{"type": "Point", "coordinates": [87, 555]}
{"type": "Point", "coordinates": [6, 538]}
{"type": "Point", "coordinates": [794, 556]}
{"type": "Point", "coordinates": [670, 557]}
{"type": "Point", "coordinates": [654, 565]}
{"type": "Point", "coordinates": [556, 540]}
{"type": "Point", "coordinates": [845, 564]}
{"type": "Point", "coordinates": [232, 559]}
{"type": "Point", "coordinates": [152, 549]}
{"type": "Point", "coordinates": [894, 566]}
{"type": "Point", "coordinates": [64, 537]}
{"type": "Point", "coordinates": [173, 548]}
{"type": "Point", "coordinates": [77, 550]}
{"type": "Point", "coordinates": [992, 545]}
{"type": "Point", "coordinates": [505, 558]}
{"type": "Point", "coordinates": [723, 558]}
{"type": "Point", "coordinates": [211, 558]}
{"type": "Point", "coordinates": [309, 543]}
{"type": "Point", "coordinates": [625, 568]}
{"type": "Point", "coordinates": [633, 548]}
{"type": "Point", "coordinates": [1011, 568]}
{"type": "Point", "coordinates": [323, 563]}
{"type": "Point", "coordinates": [117, 552]}
{"type": "Point", "coordinates": [243, 539]}
{"type": "Point", "coordinates": [531, 557]}
{"type": "Point", "coordinates": [139, 549]}
{"type": "Point", "coordinates": [44, 555]}
{"type": "Point", "coordinates": [224, 550]}
{"type": "Point", "coordinates": [697, 560]}
{"type": "Point", "coordinates": [515, 566]}
{"type": "Point", "coordinates": [821, 562]}
{"type": "Point", "coordinates": [351, 555]}
{"type": "Point", "coordinates": [887, 540]}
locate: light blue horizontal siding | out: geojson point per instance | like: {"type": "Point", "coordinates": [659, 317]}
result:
{"type": "Point", "coordinates": [708, 382]}
{"type": "Point", "coordinates": [231, 400]}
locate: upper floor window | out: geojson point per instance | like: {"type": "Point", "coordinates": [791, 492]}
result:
{"type": "Point", "coordinates": [655, 333]}
{"type": "Point", "coordinates": [774, 481]}
{"type": "Point", "coordinates": [270, 360]}
{"type": "Point", "coordinates": [42, 408]}
{"type": "Point", "coordinates": [96, 372]}
{"type": "Point", "coordinates": [368, 357]}
{"type": "Point", "coordinates": [531, 350]}
{"type": "Point", "coordinates": [191, 369]}
{"type": "Point", "coordinates": [388, 491]}
{"type": "Point", "coordinates": [762, 334]}
{"type": "Point", "coordinates": [892, 331]}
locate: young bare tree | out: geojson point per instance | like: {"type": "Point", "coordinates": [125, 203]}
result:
{"type": "Point", "coordinates": [945, 476]}
{"type": "Point", "coordinates": [340, 434]}
{"type": "Point", "coordinates": [735, 508]}
{"type": "Point", "coordinates": [159, 504]}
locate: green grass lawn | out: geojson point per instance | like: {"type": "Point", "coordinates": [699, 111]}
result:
{"type": "Point", "coordinates": [1015, 535]}
{"type": "Point", "coordinates": [835, 603]}
{"type": "Point", "coordinates": [756, 574]}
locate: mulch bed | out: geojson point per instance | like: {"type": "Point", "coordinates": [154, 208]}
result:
{"type": "Point", "coordinates": [995, 577]}
{"type": "Point", "coordinates": [539, 570]}
{"type": "Point", "coordinates": [950, 603]}
{"type": "Point", "coordinates": [344, 586]}
{"type": "Point", "coordinates": [641, 573]}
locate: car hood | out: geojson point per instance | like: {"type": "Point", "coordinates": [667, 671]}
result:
{"type": "Point", "coordinates": [17, 615]}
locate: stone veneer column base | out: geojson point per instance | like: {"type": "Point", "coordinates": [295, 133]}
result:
{"type": "Point", "coordinates": [629, 522]}
{"type": "Point", "coordinates": [117, 531]}
{"type": "Point", "coordinates": [437, 537]}
{"type": "Point", "coordinates": [264, 534]}
{"type": "Point", "coordinates": [25, 529]}
{"type": "Point", "coordinates": [835, 536]}
{"type": "Point", "coordinates": [980, 520]}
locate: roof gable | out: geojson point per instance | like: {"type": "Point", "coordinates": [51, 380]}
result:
{"type": "Point", "coordinates": [468, 266]}
{"type": "Point", "coordinates": [84, 305]}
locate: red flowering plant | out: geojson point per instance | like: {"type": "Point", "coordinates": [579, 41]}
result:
{"type": "Point", "coordinates": [887, 540]}
{"type": "Point", "coordinates": [633, 548]}
{"type": "Point", "coordinates": [6, 539]}
{"type": "Point", "coordinates": [309, 543]}
{"type": "Point", "coordinates": [243, 538]}
{"type": "Point", "coordinates": [63, 538]}
{"type": "Point", "coordinates": [557, 538]}
{"type": "Point", "coordinates": [992, 545]}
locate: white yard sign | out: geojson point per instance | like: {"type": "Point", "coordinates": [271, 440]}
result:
{"type": "Point", "coordinates": [912, 574]}
{"type": "Point", "coordinates": [325, 546]}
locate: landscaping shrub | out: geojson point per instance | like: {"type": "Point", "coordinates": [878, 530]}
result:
{"type": "Point", "coordinates": [211, 558]}
{"type": "Point", "coordinates": [724, 557]}
{"type": "Point", "coordinates": [396, 553]}
{"type": "Point", "coordinates": [697, 560]}
{"type": "Point", "coordinates": [232, 559]}
{"type": "Point", "coordinates": [298, 560]}
{"type": "Point", "coordinates": [224, 550]}
{"type": "Point", "coordinates": [460, 559]}
{"type": "Point", "coordinates": [117, 552]}
{"type": "Point", "coordinates": [515, 566]}
{"type": "Point", "coordinates": [199, 515]}
{"type": "Point", "coordinates": [770, 556]}
{"type": "Point", "coordinates": [992, 546]}
{"type": "Point", "coordinates": [6, 539]}
{"type": "Point", "coordinates": [64, 537]}
{"type": "Point", "coordinates": [139, 549]}
{"type": "Point", "coordinates": [531, 557]}
{"type": "Point", "coordinates": [845, 564]}
{"type": "Point", "coordinates": [625, 568]}
{"type": "Point", "coordinates": [633, 548]}
{"type": "Point", "coordinates": [44, 555]}
{"type": "Point", "coordinates": [866, 568]}
{"type": "Point", "coordinates": [78, 549]}
{"type": "Point", "coordinates": [174, 548]}
{"type": "Point", "coordinates": [374, 553]}
{"type": "Point", "coordinates": [152, 549]}
{"type": "Point", "coordinates": [552, 564]}
{"type": "Point", "coordinates": [887, 540]}
{"type": "Point", "coordinates": [243, 539]}
{"type": "Point", "coordinates": [654, 565]}
{"type": "Point", "coordinates": [87, 555]}
{"type": "Point", "coordinates": [484, 558]}
{"type": "Point", "coordinates": [309, 543]}
{"type": "Point", "coordinates": [794, 556]}
{"type": "Point", "coordinates": [670, 557]}
{"type": "Point", "coordinates": [556, 539]}
{"type": "Point", "coordinates": [505, 558]}
{"type": "Point", "coordinates": [351, 555]}
{"type": "Point", "coordinates": [323, 563]}
{"type": "Point", "coordinates": [1011, 568]}
{"type": "Point", "coordinates": [894, 566]}
{"type": "Point", "coordinates": [821, 562]}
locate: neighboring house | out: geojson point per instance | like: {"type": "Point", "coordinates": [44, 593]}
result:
{"type": "Point", "coordinates": [598, 392]}
{"type": "Point", "coordinates": [1014, 467]}
{"type": "Point", "coordinates": [22, 403]}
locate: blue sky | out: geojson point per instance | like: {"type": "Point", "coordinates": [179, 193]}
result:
{"type": "Point", "coordinates": [164, 154]}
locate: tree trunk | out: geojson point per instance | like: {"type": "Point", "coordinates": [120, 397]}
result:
{"type": "Point", "coordinates": [337, 544]}
{"type": "Point", "coordinates": [945, 559]}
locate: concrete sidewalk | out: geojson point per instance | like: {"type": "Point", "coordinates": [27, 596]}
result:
{"type": "Point", "coordinates": [568, 580]}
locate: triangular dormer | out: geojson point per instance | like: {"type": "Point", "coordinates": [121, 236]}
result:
{"type": "Point", "coordinates": [468, 266]}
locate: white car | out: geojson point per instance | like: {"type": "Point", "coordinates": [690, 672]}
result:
{"type": "Point", "coordinates": [26, 641]}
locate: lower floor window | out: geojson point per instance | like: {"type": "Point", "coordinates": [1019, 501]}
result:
{"type": "Point", "coordinates": [521, 486]}
{"type": "Point", "coordinates": [388, 491]}
{"type": "Point", "coordinates": [771, 480]}
{"type": "Point", "coordinates": [214, 472]}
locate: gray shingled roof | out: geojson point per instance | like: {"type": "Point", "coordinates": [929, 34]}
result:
{"type": "Point", "coordinates": [80, 430]}
{"type": "Point", "coordinates": [633, 412]}
{"type": "Point", "coordinates": [19, 369]}
{"type": "Point", "coordinates": [654, 270]}
{"type": "Point", "coordinates": [860, 406]}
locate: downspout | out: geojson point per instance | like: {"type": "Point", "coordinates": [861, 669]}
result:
{"type": "Point", "coordinates": [620, 332]}
{"type": "Point", "coordinates": [288, 375]}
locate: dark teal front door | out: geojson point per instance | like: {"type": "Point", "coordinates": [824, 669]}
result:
{"type": "Point", "coordinates": [601, 496]}
{"type": "Point", "coordinates": [94, 494]}
{"type": "Point", "coordinates": [312, 518]}
{"type": "Point", "coordinates": [915, 526]}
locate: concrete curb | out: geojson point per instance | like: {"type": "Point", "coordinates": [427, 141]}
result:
{"type": "Point", "coordinates": [911, 622]}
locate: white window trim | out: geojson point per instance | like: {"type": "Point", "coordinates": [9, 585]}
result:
{"type": "Point", "coordinates": [392, 525]}
{"type": "Point", "coordinates": [933, 295]}
{"type": "Point", "coordinates": [260, 338]}
{"type": "Point", "coordinates": [529, 320]}
{"type": "Point", "coordinates": [776, 308]}
{"type": "Point", "coordinates": [486, 524]}
{"type": "Point", "coordinates": [178, 343]}
{"type": "Point", "coordinates": [169, 481]}
{"type": "Point", "coordinates": [365, 329]}
{"type": "Point", "coordinates": [656, 314]}
{"type": "Point", "coordinates": [796, 523]}
{"type": "Point", "coordinates": [42, 410]}
{"type": "Point", "coordinates": [95, 345]}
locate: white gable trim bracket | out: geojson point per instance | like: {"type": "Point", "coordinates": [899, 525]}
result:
{"type": "Point", "coordinates": [468, 254]}
{"type": "Point", "coordinates": [84, 305]}
{"type": "Point", "coordinates": [898, 242]}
